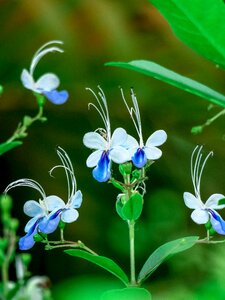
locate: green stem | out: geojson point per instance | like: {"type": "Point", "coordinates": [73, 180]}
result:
{"type": "Point", "coordinates": [131, 225]}
{"type": "Point", "coordinates": [5, 266]}
{"type": "Point", "coordinates": [20, 132]}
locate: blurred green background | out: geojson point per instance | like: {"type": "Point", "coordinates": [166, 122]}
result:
{"type": "Point", "coordinates": [95, 32]}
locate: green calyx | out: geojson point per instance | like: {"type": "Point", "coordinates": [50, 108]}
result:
{"type": "Point", "coordinates": [125, 169]}
{"type": "Point", "coordinates": [40, 99]}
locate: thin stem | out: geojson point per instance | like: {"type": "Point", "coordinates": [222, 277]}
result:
{"type": "Point", "coordinates": [20, 132]}
{"type": "Point", "coordinates": [5, 266]}
{"type": "Point", "coordinates": [131, 225]}
{"type": "Point", "coordinates": [62, 235]}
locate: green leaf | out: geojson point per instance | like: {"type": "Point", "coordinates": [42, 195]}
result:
{"type": "Point", "coordinates": [119, 207]}
{"type": "Point", "coordinates": [133, 207]}
{"type": "Point", "coordinates": [102, 261]}
{"type": "Point", "coordinates": [163, 253]}
{"type": "Point", "coordinates": [5, 147]}
{"type": "Point", "coordinates": [199, 24]}
{"type": "Point", "coordinates": [127, 293]}
{"type": "Point", "coordinates": [154, 70]}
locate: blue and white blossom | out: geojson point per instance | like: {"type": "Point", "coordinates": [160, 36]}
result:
{"type": "Point", "coordinates": [107, 148]}
{"type": "Point", "coordinates": [67, 212]}
{"type": "Point", "coordinates": [46, 213]}
{"type": "Point", "coordinates": [203, 212]}
{"type": "Point", "coordinates": [141, 152]}
{"type": "Point", "coordinates": [48, 83]}
{"type": "Point", "coordinates": [37, 210]}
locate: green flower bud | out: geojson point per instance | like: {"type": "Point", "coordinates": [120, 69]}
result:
{"type": "Point", "coordinates": [5, 203]}
{"type": "Point", "coordinates": [126, 168]}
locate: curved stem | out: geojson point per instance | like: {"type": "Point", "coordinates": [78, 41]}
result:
{"type": "Point", "coordinates": [20, 132]}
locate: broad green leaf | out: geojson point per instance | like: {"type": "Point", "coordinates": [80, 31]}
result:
{"type": "Point", "coordinates": [102, 261]}
{"type": "Point", "coordinates": [199, 24]}
{"type": "Point", "coordinates": [133, 207]}
{"type": "Point", "coordinates": [154, 70]}
{"type": "Point", "coordinates": [163, 253]}
{"type": "Point", "coordinates": [127, 294]}
{"type": "Point", "coordinates": [5, 147]}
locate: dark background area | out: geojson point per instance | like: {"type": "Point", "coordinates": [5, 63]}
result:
{"type": "Point", "coordinates": [95, 32]}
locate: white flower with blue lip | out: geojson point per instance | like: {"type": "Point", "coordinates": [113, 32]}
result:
{"type": "Point", "coordinates": [67, 212]}
{"type": "Point", "coordinates": [108, 148]}
{"type": "Point", "coordinates": [48, 83]}
{"type": "Point", "coordinates": [203, 212]}
{"type": "Point", "coordinates": [36, 210]}
{"type": "Point", "coordinates": [141, 152]}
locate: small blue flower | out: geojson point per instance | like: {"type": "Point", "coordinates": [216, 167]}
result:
{"type": "Point", "coordinates": [48, 83]}
{"type": "Point", "coordinates": [203, 212]}
{"type": "Point", "coordinates": [108, 148]}
{"type": "Point", "coordinates": [36, 210]}
{"type": "Point", "coordinates": [141, 152]}
{"type": "Point", "coordinates": [59, 210]}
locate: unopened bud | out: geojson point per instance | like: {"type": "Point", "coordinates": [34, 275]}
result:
{"type": "Point", "coordinates": [5, 203]}
{"type": "Point", "coordinates": [126, 168]}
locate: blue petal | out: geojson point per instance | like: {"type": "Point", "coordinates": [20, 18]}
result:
{"type": "Point", "coordinates": [27, 241]}
{"type": "Point", "coordinates": [56, 97]}
{"type": "Point", "coordinates": [50, 223]}
{"type": "Point", "coordinates": [139, 159]}
{"type": "Point", "coordinates": [217, 222]}
{"type": "Point", "coordinates": [102, 171]}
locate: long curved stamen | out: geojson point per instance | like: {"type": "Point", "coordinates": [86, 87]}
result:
{"type": "Point", "coordinates": [26, 182]}
{"type": "Point", "coordinates": [134, 114]}
{"type": "Point", "coordinates": [197, 168]}
{"type": "Point", "coordinates": [102, 110]}
{"type": "Point", "coordinates": [68, 168]}
{"type": "Point", "coordinates": [42, 51]}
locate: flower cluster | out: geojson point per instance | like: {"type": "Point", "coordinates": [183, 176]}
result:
{"type": "Point", "coordinates": [203, 212]}
{"type": "Point", "coordinates": [48, 83]}
{"type": "Point", "coordinates": [49, 210]}
{"type": "Point", "coordinates": [119, 147]}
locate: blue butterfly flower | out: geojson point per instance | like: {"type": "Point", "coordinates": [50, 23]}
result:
{"type": "Point", "coordinates": [108, 148]}
{"type": "Point", "coordinates": [203, 212]}
{"type": "Point", "coordinates": [141, 152]}
{"type": "Point", "coordinates": [48, 83]}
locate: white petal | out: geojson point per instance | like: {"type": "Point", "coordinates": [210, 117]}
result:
{"type": "Point", "coordinates": [94, 140]}
{"type": "Point", "coordinates": [76, 200]}
{"type": "Point", "coordinates": [157, 138]}
{"type": "Point", "coordinates": [32, 208]}
{"type": "Point", "coordinates": [200, 216]}
{"type": "Point", "coordinates": [119, 137]}
{"type": "Point", "coordinates": [69, 215]}
{"type": "Point", "coordinates": [27, 80]}
{"type": "Point", "coordinates": [152, 153]}
{"type": "Point", "coordinates": [191, 201]}
{"type": "Point", "coordinates": [54, 202]}
{"type": "Point", "coordinates": [131, 142]}
{"type": "Point", "coordinates": [94, 158]}
{"type": "Point", "coordinates": [213, 200]}
{"type": "Point", "coordinates": [30, 223]}
{"type": "Point", "coordinates": [119, 155]}
{"type": "Point", "coordinates": [47, 82]}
